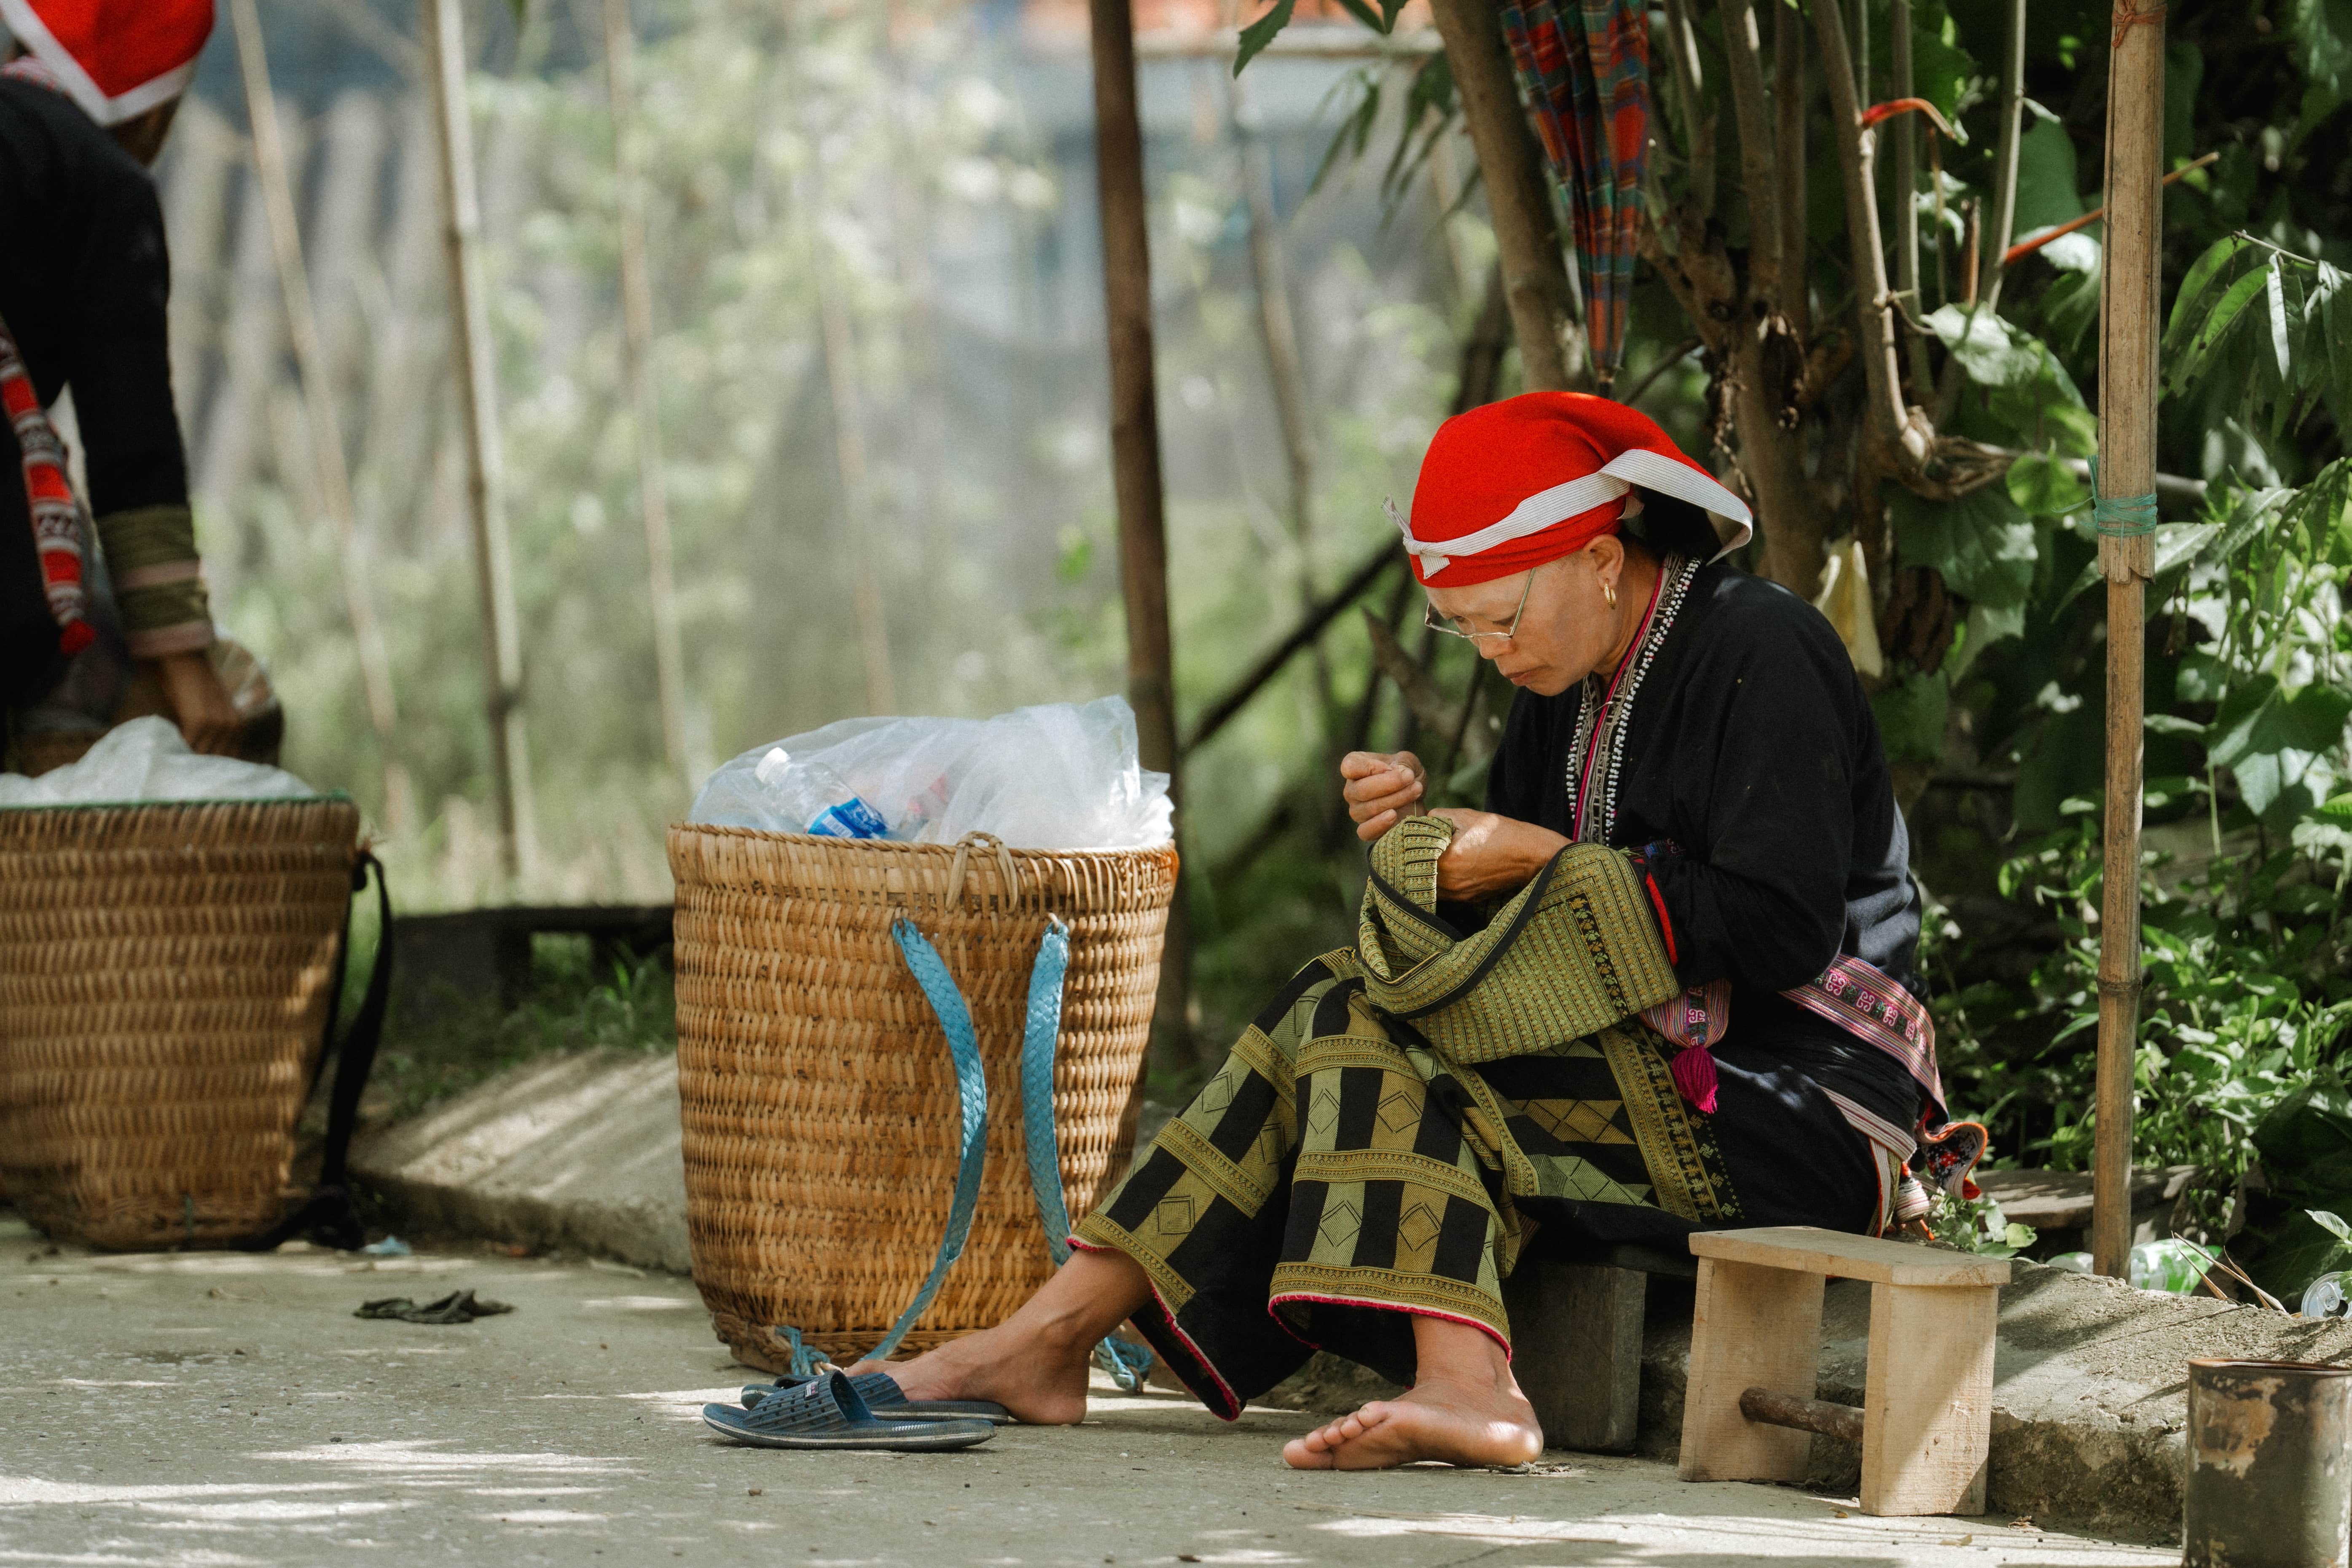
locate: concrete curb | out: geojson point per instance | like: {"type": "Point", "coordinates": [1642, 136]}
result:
{"type": "Point", "coordinates": [576, 1151]}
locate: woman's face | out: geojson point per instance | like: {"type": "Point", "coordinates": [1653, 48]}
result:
{"type": "Point", "coordinates": [1568, 629]}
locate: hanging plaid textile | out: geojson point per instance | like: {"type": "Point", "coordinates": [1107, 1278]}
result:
{"type": "Point", "coordinates": [57, 514]}
{"type": "Point", "coordinates": [1584, 74]}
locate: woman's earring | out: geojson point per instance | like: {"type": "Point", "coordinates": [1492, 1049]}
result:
{"type": "Point", "coordinates": [1609, 592]}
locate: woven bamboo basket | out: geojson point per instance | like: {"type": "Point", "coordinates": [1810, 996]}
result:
{"type": "Point", "coordinates": [164, 977]}
{"type": "Point", "coordinates": [821, 1116]}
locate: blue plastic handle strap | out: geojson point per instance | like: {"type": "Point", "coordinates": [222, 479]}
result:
{"type": "Point", "coordinates": [1038, 1040]}
{"type": "Point", "coordinates": [972, 1090]}
{"type": "Point", "coordinates": [1127, 1364]}
{"type": "Point", "coordinates": [805, 1360]}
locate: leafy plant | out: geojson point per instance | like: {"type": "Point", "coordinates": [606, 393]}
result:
{"type": "Point", "coordinates": [1975, 1225]}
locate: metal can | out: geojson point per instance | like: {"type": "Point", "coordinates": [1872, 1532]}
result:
{"type": "Point", "coordinates": [2270, 1477]}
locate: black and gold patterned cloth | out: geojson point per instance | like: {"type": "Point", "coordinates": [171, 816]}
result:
{"type": "Point", "coordinates": [1345, 1170]}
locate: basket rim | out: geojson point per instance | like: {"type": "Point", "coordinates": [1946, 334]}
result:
{"type": "Point", "coordinates": [901, 846]}
{"type": "Point", "coordinates": [333, 797]}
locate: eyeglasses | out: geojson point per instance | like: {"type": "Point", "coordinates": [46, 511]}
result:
{"type": "Point", "coordinates": [1446, 624]}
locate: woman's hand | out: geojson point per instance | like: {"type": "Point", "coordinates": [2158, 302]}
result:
{"type": "Point", "coordinates": [198, 702]}
{"type": "Point", "coordinates": [1381, 787]}
{"type": "Point", "coordinates": [1491, 855]}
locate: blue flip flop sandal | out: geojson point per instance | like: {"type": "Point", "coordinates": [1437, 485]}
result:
{"type": "Point", "coordinates": [830, 1413]}
{"type": "Point", "coordinates": [882, 1394]}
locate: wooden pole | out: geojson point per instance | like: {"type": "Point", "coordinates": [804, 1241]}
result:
{"type": "Point", "coordinates": [2127, 391]}
{"type": "Point", "coordinates": [1135, 454]}
{"type": "Point", "coordinates": [637, 345]}
{"type": "Point", "coordinates": [469, 327]}
{"type": "Point", "coordinates": [1518, 197]}
{"type": "Point", "coordinates": [327, 458]}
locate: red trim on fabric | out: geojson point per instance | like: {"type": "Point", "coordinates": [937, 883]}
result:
{"type": "Point", "coordinates": [1666, 923]}
{"type": "Point", "coordinates": [1232, 1410]}
{"type": "Point", "coordinates": [1486, 1329]}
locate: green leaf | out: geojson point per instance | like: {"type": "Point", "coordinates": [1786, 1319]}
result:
{"type": "Point", "coordinates": [2275, 297]}
{"type": "Point", "coordinates": [2338, 811]}
{"type": "Point", "coordinates": [2212, 331]}
{"type": "Point", "coordinates": [1260, 32]}
{"type": "Point", "coordinates": [2202, 273]}
{"type": "Point", "coordinates": [2201, 678]}
{"type": "Point", "coordinates": [2045, 486]}
{"type": "Point", "coordinates": [2048, 192]}
{"type": "Point", "coordinates": [2322, 34]}
{"type": "Point", "coordinates": [2331, 1224]}
{"type": "Point", "coordinates": [1982, 543]}
{"type": "Point", "coordinates": [2274, 741]}
{"type": "Point", "coordinates": [1383, 21]}
{"type": "Point", "coordinates": [1988, 349]}
{"type": "Point", "coordinates": [1913, 715]}
{"type": "Point", "coordinates": [2338, 333]}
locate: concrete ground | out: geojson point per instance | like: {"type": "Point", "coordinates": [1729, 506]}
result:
{"type": "Point", "coordinates": [223, 1410]}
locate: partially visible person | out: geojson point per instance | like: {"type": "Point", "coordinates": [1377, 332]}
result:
{"type": "Point", "coordinates": [87, 93]}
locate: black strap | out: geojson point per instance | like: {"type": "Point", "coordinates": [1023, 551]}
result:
{"type": "Point", "coordinates": [329, 1216]}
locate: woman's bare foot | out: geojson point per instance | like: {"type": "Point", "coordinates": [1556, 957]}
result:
{"type": "Point", "coordinates": [1464, 1409]}
{"type": "Point", "coordinates": [1042, 1383]}
{"type": "Point", "coordinates": [1450, 1422]}
{"type": "Point", "coordinates": [1035, 1362]}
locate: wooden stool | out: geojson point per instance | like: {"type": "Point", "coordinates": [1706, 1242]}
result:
{"type": "Point", "coordinates": [1926, 1423]}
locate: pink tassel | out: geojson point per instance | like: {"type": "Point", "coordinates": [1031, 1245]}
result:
{"type": "Point", "coordinates": [1693, 1070]}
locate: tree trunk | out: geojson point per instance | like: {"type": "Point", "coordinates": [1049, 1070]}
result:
{"type": "Point", "coordinates": [1135, 461]}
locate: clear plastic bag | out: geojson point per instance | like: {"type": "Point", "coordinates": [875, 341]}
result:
{"type": "Point", "coordinates": [146, 760]}
{"type": "Point", "coordinates": [1060, 776]}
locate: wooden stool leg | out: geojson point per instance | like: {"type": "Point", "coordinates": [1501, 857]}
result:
{"type": "Point", "coordinates": [1927, 1399]}
{"type": "Point", "coordinates": [1754, 1328]}
{"type": "Point", "coordinates": [1576, 1342]}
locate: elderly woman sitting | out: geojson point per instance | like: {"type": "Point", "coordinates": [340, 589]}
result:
{"type": "Point", "coordinates": [1691, 804]}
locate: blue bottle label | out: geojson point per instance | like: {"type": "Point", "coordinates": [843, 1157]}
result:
{"type": "Point", "coordinates": [852, 818]}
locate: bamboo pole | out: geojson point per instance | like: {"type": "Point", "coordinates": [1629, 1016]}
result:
{"type": "Point", "coordinates": [1135, 454]}
{"type": "Point", "coordinates": [2127, 393]}
{"type": "Point", "coordinates": [328, 464]}
{"type": "Point", "coordinates": [469, 325]}
{"type": "Point", "coordinates": [637, 344]}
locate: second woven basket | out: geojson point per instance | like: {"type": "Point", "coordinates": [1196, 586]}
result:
{"type": "Point", "coordinates": [821, 1116]}
{"type": "Point", "coordinates": [165, 975]}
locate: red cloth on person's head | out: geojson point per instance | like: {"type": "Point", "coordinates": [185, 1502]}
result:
{"type": "Point", "coordinates": [116, 58]}
{"type": "Point", "coordinates": [1516, 484]}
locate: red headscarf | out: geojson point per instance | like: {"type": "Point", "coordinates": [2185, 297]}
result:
{"type": "Point", "coordinates": [1516, 484]}
{"type": "Point", "coordinates": [116, 58]}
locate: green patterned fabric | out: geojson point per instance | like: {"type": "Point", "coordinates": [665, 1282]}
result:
{"type": "Point", "coordinates": [1339, 1173]}
{"type": "Point", "coordinates": [1575, 951]}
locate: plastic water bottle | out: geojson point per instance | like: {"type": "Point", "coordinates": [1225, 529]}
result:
{"type": "Point", "coordinates": [2325, 1299]}
{"type": "Point", "coordinates": [812, 794]}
